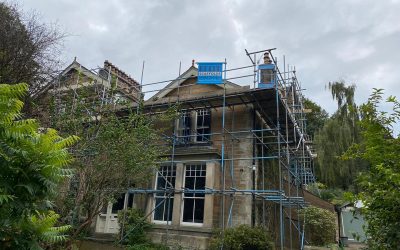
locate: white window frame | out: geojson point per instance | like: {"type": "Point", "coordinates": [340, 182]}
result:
{"type": "Point", "coordinates": [194, 224]}
{"type": "Point", "coordinates": [196, 128]}
{"type": "Point", "coordinates": [165, 202]}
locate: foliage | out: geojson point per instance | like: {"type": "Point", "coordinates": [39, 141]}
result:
{"type": "Point", "coordinates": [44, 226]}
{"type": "Point", "coordinates": [320, 225]}
{"type": "Point", "coordinates": [118, 150]}
{"type": "Point", "coordinates": [33, 162]}
{"type": "Point", "coordinates": [344, 95]}
{"type": "Point", "coordinates": [28, 48]}
{"type": "Point", "coordinates": [381, 183]}
{"type": "Point", "coordinates": [332, 195]}
{"type": "Point", "coordinates": [242, 237]}
{"type": "Point", "coordinates": [133, 228]}
{"type": "Point", "coordinates": [336, 136]}
{"type": "Point", "coordinates": [316, 118]}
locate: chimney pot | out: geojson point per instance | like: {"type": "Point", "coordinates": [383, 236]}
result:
{"type": "Point", "coordinates": [267, 59]}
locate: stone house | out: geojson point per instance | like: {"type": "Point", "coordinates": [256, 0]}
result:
{"type": "Point", "coordinates": [224, 168]}
{"type": "Point", "coordinates": [239, 155]}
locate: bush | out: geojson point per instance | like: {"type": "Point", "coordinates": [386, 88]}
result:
{"type": "Point", "coordinates": [133, 226]}
{"type": "Point", "coordinates": [242, 237]}
{"type": "Point", "coordinates": [320, 225]}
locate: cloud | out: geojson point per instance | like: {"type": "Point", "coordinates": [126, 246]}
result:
{"type": "Point", "coordinates": [353, 50]}
{"type": "Point", "coordinates": [327, 40]}
{"type": "Point", "coordinates": [98, 27]}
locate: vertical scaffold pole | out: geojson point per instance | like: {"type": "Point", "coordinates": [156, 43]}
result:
{"type": "Point", "coordinates": [285, 81]}
{"type": "Point", "coordinates": [232, 168]}
{"type": "Point", "coordinates": [223, 155]}
{"type": "Point", "coordinates": [140, 89]}
{"type": "Point", "coordinates": [281, 226]}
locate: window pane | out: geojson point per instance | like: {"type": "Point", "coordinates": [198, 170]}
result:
{"type": "Point", "coordinates": [160, 183]}
{"type": "Point", "coordinates": [165, 182]}
{"type": "Point", "coordinates": [119, 204]}
{"type": "Point", "coordinates": [203, 125]}
{"type": "Point", "coordinates": [200, 185]}
{"type": "Point", "coordinates": [189, 182]}
{"type": "Point", "coordinates": [188, 210]}
{"type": "Point", "coordinates": [171, 182]}
{"type": "Point", "coordinates": [159, 212]}
{"type": "Point", "coordinates": [169, 205]}
{"type": "Point", "coordinates": [198, 210]}
{"type": "Point", "coordinates": [130, 200]}
{"type": "Point", "coordinates": [184, 127]}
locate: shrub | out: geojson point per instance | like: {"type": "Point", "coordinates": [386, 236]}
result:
{"type": "Point", "coordinates": [133, 227]}
{"type": "Point", "coordinates": [242, 237]}
{"type": "Point", "coordinates": [320, 225]}
{"type": "Point", "coordinates": [33, 162]}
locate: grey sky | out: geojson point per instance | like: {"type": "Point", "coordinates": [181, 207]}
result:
{"type": "Point", "coordinates": [354, 40]}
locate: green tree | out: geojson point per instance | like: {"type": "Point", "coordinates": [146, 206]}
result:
{"type": "Point", "coordinates": [33, 162]}
{"type": "Point", "coordinates": [380, 184]}
{"type": "Point", "coordinates": [339, 132]}
{"type": "Point", "coordinates": [316, 118]}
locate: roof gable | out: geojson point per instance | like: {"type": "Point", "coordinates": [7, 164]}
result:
{"type": "Point", "coordinates": [73, 66]}
{"type": "Point", "coordinates": [189, 77]}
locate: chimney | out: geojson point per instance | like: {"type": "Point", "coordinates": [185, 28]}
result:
{"type": "Point", "coordinates": [267, 59]}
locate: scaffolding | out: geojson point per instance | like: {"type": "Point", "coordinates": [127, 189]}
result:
{"type": "Point", "coordinates": [281, 159]}
{"type": "Point", "coordinates": [280, 143]}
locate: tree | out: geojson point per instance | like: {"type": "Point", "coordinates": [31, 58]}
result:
{"type": "Point", "coordinates": [118, 150]}
{"type": "Point", "coordinates": [339, 132]}
{"type": "Point", "coordinates": [316, 118]}
{"type": "Point", "coordinates": [28, 48]}
{"type": "Point", "coordinates": [380, 183]}
{"type": "Point", "coordinates": [33, 162]}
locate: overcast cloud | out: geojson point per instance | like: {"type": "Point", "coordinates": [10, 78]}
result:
{"type": "Point", "coordinates": [354, 40]}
